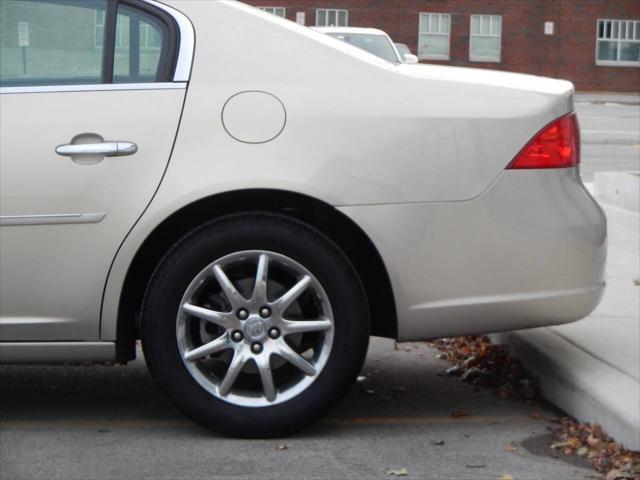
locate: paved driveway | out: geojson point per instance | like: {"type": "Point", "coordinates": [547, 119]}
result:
{"type": "Point", "coordinates": [97, 422]}
{"type": "Point", "coordinates": [610, 134]}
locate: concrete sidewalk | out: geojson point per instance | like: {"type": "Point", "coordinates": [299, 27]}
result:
{"type": "Point", "coordinates": [591, 368]}
{"type": "Point", "coordinates": [604, 97]}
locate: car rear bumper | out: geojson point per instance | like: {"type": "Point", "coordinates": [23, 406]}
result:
{"type": "Point", "coordinates": [529, 252]}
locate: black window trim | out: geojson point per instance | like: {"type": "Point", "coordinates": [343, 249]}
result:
{"type": "Point", "coordinates": [170, 48]}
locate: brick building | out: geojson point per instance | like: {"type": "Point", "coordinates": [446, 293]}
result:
{"type": "Point", "coordinates": [594, 43]}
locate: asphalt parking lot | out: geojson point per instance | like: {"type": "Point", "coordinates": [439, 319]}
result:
{"type": "Point", "coordinates": [100, 422]}
{"type": "Point", "coordinates": [610, 135]}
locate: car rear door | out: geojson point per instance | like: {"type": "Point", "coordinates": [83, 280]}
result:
{"type": "Point", "coordinates": [90, 104]}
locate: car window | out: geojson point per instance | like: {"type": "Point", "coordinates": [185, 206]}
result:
{"type": "Point", "coordinates": [139, 44]}
{"type": "Point", "coordinates": [403, 49]}
{"type": "Point", "coordinates": [46, 42]}
{"type": "Point", "coordinates": [379, 45]}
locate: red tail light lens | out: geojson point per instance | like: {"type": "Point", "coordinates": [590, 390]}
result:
{"type": "Point", "coordinates": [556, 146]}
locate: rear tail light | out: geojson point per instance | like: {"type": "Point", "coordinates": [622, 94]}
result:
{"type": "Point", "coordinates": [556, 146]}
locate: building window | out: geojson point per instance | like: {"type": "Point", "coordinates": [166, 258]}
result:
{"type": "Point", "coordinates": [434, 36]}
{"type": "Point", "coordinates": [485, 41]}
{"type": "Point", "coordinates": [618, 43]}
{"type": "Point", "coordinates": [279, 11]}
{"type": "Point", "coordinates": [98, 41]}
{"type": "Point", "coordinates": [328, 17]}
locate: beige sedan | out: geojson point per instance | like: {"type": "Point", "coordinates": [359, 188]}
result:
{"type": "Point", "coordinates": [253, 199]}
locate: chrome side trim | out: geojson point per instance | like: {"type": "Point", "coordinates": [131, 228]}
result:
{"type": "Point", "coordinates": [54, 219]}
{"type": "Point", "coordinates": [95, 88]}
{"type": "Point", "coordinates": [56, 352]}
{"type": "Point", "coordinates": [187, 41]}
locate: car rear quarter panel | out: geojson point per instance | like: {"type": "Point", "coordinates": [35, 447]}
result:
{"type": "Point", "coordinates": [358, 131]}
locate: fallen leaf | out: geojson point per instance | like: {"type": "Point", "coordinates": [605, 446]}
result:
{"type": "Point", "coordinates": [460, 414]}
{"type": "Point", "coordinates": [361, 378]}
{"type": "Point", "coordinates": [582, 451]}
{"type": "Point", "coordinates": [397, 472]}
{"type": "Point", "coordinates": [617, 475]}
{"type": "Point", "coordinates": [511, 448]}
{"type": "Point", "coordinates": [437, 442]}
{"type": "Point", "coordinates": [476, 466]}
{"type": "Point", "coordinates": [282, 448]}
{"type": "Point", "coordinates": [506, 477]}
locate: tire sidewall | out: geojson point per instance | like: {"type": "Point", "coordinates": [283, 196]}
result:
{"type": "Point", "coordinates": [277, 234]}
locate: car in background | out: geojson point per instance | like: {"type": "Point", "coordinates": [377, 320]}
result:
{"type": "Point", "coordinates": [405, 52]}
{"type": "Point", "coordinates": [254, 219]}
{"type": "Point", "coordinates": [371, 40]}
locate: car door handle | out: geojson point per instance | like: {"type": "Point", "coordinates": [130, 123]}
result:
{"type": "Point", "coordinates": [107, 149]}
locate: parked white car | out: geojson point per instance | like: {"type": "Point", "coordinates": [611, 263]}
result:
{"type": "Point", "coordinates": [405, 53]}
{"type": "Point", "coordinates": [371, 40]}
{"type": "Point", "coordinates": [253, 219]}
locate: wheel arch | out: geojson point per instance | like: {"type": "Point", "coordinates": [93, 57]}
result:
{"type": "Point", "coordinates": [336, 225]}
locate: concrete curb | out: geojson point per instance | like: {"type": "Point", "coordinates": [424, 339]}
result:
{"type": "Point", "coordinates": [619, 188]}
{"type": "Point", "coordinates": [591, 393]}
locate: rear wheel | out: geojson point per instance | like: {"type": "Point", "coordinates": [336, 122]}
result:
{"type": "Point", "coordinates": [255, 325]}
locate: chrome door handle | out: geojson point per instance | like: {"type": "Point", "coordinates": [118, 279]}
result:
{"type": "Point", "coordinates": [107, 149]}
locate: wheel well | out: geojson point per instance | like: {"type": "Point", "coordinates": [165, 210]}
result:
{"type": "Point", "coordinates": [333, 223]}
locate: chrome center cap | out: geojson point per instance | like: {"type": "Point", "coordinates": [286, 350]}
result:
{"type": "Point", "coordinates": [255, 329]}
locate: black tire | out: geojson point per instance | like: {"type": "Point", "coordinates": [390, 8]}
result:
{"type": "Point", "coordinates": [255, 231]}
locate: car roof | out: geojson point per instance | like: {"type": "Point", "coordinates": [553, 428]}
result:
{"type": "Point", "coordinates": [371, 31]}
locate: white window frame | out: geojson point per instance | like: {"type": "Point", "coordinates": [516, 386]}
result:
{"type": "Point", "coordinates": [475, 58]}
{"type": "Point", "coordinates": [439, 33]}
{"type": "Point", "coordinates": [277, 11]}
{"type": "Point", "coordinates": [326, 16]}
{"type": "Point", "coordinates": [630, 35]}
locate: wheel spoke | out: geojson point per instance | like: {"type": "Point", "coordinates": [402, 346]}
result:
{"type": "Point", "coordinates": [286, 352]}
{"type": "Point", "coordinates": [290, 327]}
{"type": "Point", "coordinates": [210, 348]}
{"type": "Point", "coordinates": [285, 301]}
{"type": "Point", "coordinates": [262, 274]}
{"type": "Point", "coordinates": [266, 376]}
{"type": "Point", "coordinates": [218, 318]}
{"type": "Point", "coordinates": [232, 373]}
{"type": "Point", "coordinates": [230, 291]}
{"type": "Point", "coordinates": [258, 308]}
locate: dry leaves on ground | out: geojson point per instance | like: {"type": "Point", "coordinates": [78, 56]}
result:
{"type": "Point", "coordinates": [477, 360]}
{"type": "Point", "coordinates": [589, 441]}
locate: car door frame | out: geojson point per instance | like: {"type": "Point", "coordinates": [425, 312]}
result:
{"type": "Point", "coordinates": [183, 44]}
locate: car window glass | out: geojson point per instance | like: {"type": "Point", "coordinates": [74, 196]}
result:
{"type": "Point", "coordinates": [139, 43]}
{"type": "Point", "coordinates": [49, 42]}
{"type": "Point", "coordinates": [378, 45]}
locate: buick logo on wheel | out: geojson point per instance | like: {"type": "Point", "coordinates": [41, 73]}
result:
{"type": "Point", "coordinates": [255, 328]}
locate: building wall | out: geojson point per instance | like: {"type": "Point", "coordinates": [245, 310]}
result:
{"type": "Point", "coordinates": [569, 53]}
